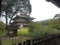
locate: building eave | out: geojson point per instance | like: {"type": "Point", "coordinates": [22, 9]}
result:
{"type": "Point", "coordinates": [55, 2]}
{"type": "Point", "coordinates": [23, 17]}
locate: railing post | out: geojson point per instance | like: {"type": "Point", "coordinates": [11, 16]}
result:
{"type": "Point", "coordinates": [24, 43]}
{"type": "Point", "coordinates": [0, 41]}
{"type": "Point", "coordinates": [33, 42]}
{"type": "Point", "coordinates": [28, 42]}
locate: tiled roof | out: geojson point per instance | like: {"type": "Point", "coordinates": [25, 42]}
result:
{"type": "Point", "coordinates": [24, 17]}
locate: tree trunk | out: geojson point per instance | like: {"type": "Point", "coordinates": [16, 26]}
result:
{"type": "Point", "coordinates": [13, 16]}
{"type": "Point", "coordinates": [6, 21]}
{"type": "Point", "coordinates": [7, 24]}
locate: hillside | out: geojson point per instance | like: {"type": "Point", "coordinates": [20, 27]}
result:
{"type": "Point", "coordinates": [44, 22]}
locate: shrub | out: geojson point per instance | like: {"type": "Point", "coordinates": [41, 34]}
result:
{"type": "Point", "coordinates": [23, 31]}
{"type": "Point", "coordinates": [2, 32]}
{"type": "Point", "coordinates": [38, 33]}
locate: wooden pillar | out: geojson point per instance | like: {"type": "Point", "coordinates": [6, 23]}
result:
{"type": "Point", "coordinates": [19, 43]}
{"type": "Point", "coordinates": [0, 6]}
{"type": "Point", "coordinates": [0, 41]}
{"type": "Point", "coordinates": [33, 42]}
{"type": "Point", "coordinates": [24, 43]}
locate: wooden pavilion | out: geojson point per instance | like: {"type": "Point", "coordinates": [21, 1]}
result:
{"type": "Point", "coordinates": [21, 21]}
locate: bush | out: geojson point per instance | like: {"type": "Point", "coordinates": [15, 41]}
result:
{"type": "Point", "coordinates": [2, 32]}
{"type": "Point", "coordinates": [23, 31]}
{"type": "Point", "coordinates": [39, 31]}
{"type": "Point", "coordinates": [2, 26]}
{"type": "Point", "coordinates": [51, 31]}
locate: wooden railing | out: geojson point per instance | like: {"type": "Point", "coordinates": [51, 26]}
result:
{"type": "Point", "coordinates": [47, 40]}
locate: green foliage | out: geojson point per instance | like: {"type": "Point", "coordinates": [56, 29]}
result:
{"type": "Point", "coordinates": [12, 7]}
{"type": "Point", "coordinates": [2, 26]}
{"type": "Point", "coordinates": [50, 31]}
{"type": "Point", "coordinates": [34, 25]}
{"type": "Point", "coordinates": [44, 22]}
{"type": "Point", "coordinates": [14, 40]}
{"type": "Point", "coordinates": [39, 31]}
{"type": "Point", "coordinates": [3, 33]}
{"type": "Point", "coordinates": [36, 30]}
{"type": "Point", "coordinates": [23, 31]}
{"type": "Point", "coordinates": [55, 24]}
{"type": "Point", "coordinates": [2, 29]}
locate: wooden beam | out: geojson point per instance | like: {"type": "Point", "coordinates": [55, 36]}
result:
{"type": "Point", "coordinates": [0, 6]}
{"type": "Point", "coordinates": [55, 2]}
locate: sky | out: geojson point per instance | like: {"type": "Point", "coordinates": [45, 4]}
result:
{"type": "Point", "coordinates": [42, 10]}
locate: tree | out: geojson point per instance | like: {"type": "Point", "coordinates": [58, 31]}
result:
{"type": "Point", "coordinates": [57, 16]}
{"type": "Point", "coordinates": [55, 22]}
{"type": "Point", "coordinates": [34, 25]}
{"type": "Point", "coordinates": [12, 7]}
{"type": "Point", "coordinates": [37, 30]}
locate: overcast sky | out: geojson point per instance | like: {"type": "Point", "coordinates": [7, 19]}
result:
{"type": "Point", "coordinates": [42, 10]}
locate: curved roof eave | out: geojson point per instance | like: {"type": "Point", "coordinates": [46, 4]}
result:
{"type": "Point", "coordinates": [55, 2]}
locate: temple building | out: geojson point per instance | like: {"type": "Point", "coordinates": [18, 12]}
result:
{"type": "Point", "coordinates": [21, 21]}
